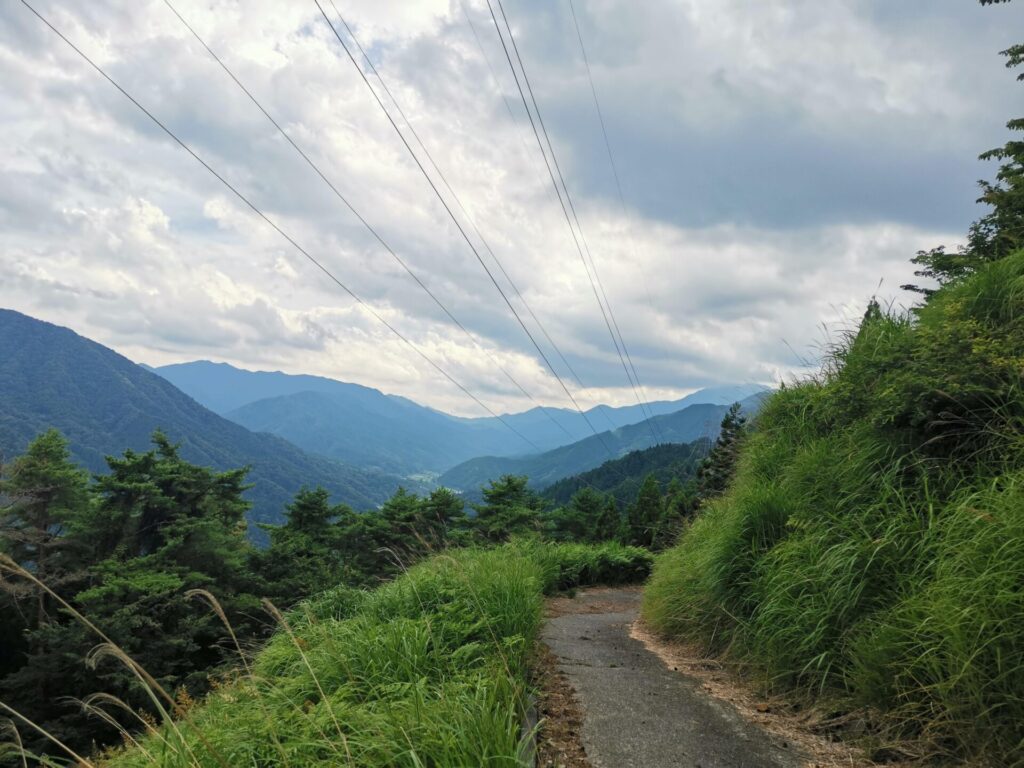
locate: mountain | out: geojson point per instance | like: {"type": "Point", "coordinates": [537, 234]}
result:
{"type": "Point", "coordinates": [104, 403]}
{"type": "Point", "coordinates": [370, 429]}
{"type": "Point", "coordinates": [684, 426]}
{"type": "Point", "coordinates": [384, 435]}
{"type": "Point", "coordinates": [622, 477]}
{"type": "Point", "coordinates": [223, 388]}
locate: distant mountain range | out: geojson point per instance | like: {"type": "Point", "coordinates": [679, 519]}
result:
{"type": "Point", "coordinates": [685, 426]}
{"type": "Point", "coordinates": [367, 428]}
{"type": "Point", "coordinates": [357, 442]}
{"type": "Point", "coordinates": [104, 403]}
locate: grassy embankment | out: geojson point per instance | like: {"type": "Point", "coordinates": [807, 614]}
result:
{"type": "Point", "coordinates": [428, 670]}
{"type": "Point", "coordinates": [870, 551]}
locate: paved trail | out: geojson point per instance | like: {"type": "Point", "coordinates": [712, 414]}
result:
{"type": "Point", "coordinates": [637, 712]}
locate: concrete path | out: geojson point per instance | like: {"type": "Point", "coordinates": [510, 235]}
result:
{"type": "Point", "coordinates": [637, 713]}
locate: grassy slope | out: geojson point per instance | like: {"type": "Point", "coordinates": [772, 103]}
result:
{"type": "Point", "coordinates": [427, 670]}
{"type": "Point", "coordinates": [871, 548]}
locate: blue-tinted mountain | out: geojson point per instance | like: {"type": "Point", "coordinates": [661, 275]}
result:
{"type": "Point", "coordinates": [104, 404]}
{"type": "Point", "coordinates": [370, 429]}
{"type": "Point", "coordinates": [685, 426]}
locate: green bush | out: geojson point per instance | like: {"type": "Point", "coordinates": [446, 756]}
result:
{"type": "Point", "coordinates": [429, 669]}
{"type": "Point", "coordinates": [567, 566]}
{"type": "Point", "coordinates": [871, 547]}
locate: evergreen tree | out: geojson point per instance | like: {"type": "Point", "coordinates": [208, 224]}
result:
{"type": "Point", "coordinates": [42, 495]}
{"type": "Point", "coordinates": [445, 514]}
{"type": "Point", "coordinates": [645, 515]}
{"type": "Point", "coordinates": [717, 470]}
{"type": "Point", "coordinates": [1001, 230]}
{"type": "Point", "coordinates": [158, 528]}
{"type": "Point", "coordinates": [510, 508]}
{"type": "Point", "coordinates": [304, 555]}
{"type": "Point", "coordinates": [590, 516]}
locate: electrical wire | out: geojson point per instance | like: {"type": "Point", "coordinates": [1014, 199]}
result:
{"type": "Point", "coordinates": [252, 206]}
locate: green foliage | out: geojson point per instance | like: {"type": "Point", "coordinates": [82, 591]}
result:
{"type": "Point", "coordinates": [645, 515]}
{"type": "Point", "coordinates": [590, 516]}
{"type": "Point", "coordinates": [621, 478]}
{"type": "Point", "coordinates": [510, 508]}
{"type": "Point", "coordinates": [125, 551]}
{"type": "Point", "coordinates": [869, 549]}
{"type": "Point", "coordinates": [566, 566]}
{"type": "Point", "coordinates": [716, 471]}
{"type": "Point", "coordinates": [429, 669]}
{"type": "Point", "coordinates": [104, 403]}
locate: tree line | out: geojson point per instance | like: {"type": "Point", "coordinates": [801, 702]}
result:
{"type": "Point", "coordinates": [140, 549]}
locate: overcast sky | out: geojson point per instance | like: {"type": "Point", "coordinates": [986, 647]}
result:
{"type": "Point", "coordinates": [780, 162]}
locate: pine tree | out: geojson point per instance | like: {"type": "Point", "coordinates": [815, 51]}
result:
{"type": "Point", "coordinates": [717, 470]}
{"type": "Point", "coordinates": [645, 514]}
{"type": "Point", "coordinates": [1000, 231]}
{"type": "Point", "coordinates": [510, 508]}
{"type": "Point", "coordinates": [42, 494]}
{"type": "Point", "coordinates": [304, 555]}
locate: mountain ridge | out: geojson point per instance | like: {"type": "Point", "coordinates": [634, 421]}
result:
{"type": "Point", "coordinates": [104, 403]}
{"type": "Point", "coordinates": [700, 420]}
{"type": "Point", "coordinates": [370, 429]}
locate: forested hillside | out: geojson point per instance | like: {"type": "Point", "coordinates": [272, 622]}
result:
{"type": "Point", "coordinates": [691, 423]}
{"type": "Point", "coordinates": [104, 403]}
{"type": "Point", "coordinates": [870, 552]}
{"type": "Point", "coordinates": [623, 477]}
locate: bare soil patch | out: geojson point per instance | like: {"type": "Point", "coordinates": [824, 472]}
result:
{"type": "Point", "coordinates": [591, 600]}
{"type": "Point", "coordinates": [559, 744]}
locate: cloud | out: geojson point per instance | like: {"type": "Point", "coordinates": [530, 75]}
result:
{"type": "Point", "coordinates": [780, 163]}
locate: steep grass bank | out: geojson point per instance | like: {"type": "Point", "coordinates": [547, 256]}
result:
{"type": "Point", "coordinates": [871, 548]}
{"type": "Point", "coordinates": [428, 670]}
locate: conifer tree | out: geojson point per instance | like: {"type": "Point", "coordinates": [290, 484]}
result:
{"type": "Point", "coordinates": [510, 508]}
{"type": "Point", "coordinates": [718, 468]}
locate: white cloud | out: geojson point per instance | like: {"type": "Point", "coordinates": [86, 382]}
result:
{"type": "Point", "coordinates": [735, 250]}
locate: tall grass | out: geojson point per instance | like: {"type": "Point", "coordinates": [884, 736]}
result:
{"type": "Point", "coordinates": [428, 670]}
{"type": "Point", "coordinates": [871, 548]}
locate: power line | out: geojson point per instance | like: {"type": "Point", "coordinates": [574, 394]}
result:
{"type": "Point", "coordinates": [618, 187]}
{"type": "Point", "coordinates": [319, 265]}
{"type": "Point", "coordinates": [359, 216]}
{"type": "Point", "coordinates": [458, 225]}
{"type": "Point", "coordinates": [508, 106]}
{"type": "Point", "coordinates": [579, 226]}
{"type": "Point", "coordinates": [558, 191]}
{"type": "Point", "coordinates": [459, 203]}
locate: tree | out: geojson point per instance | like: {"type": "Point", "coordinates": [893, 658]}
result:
{"type": "Point", "coordinates": [510, 508]}
{"type": "Point", "coordinates": [590, 516]}
{"type": "Point", "coordinates": [158, 528]}
{"type": "Point", "coordinates": [644, 515]}
{"type": "Point", "coordinates": [444, 512]}
{"type": "Point", "coordinates": [1000, 231]}
{"type": "Point", "coordinates": [717, 470]}
{"type": "Point", "coordinates": [304, 555]}
{"type": "Point", "coordinates": [43, 494]}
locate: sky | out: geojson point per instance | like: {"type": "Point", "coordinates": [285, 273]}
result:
{"type": "Point", "coordinates": [779, 162]}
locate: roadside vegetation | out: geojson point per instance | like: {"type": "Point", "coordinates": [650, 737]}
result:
{"type": "Point", "coordinates": [869, 551]}
{"type": "Point", "coordinates": [152, 563]}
